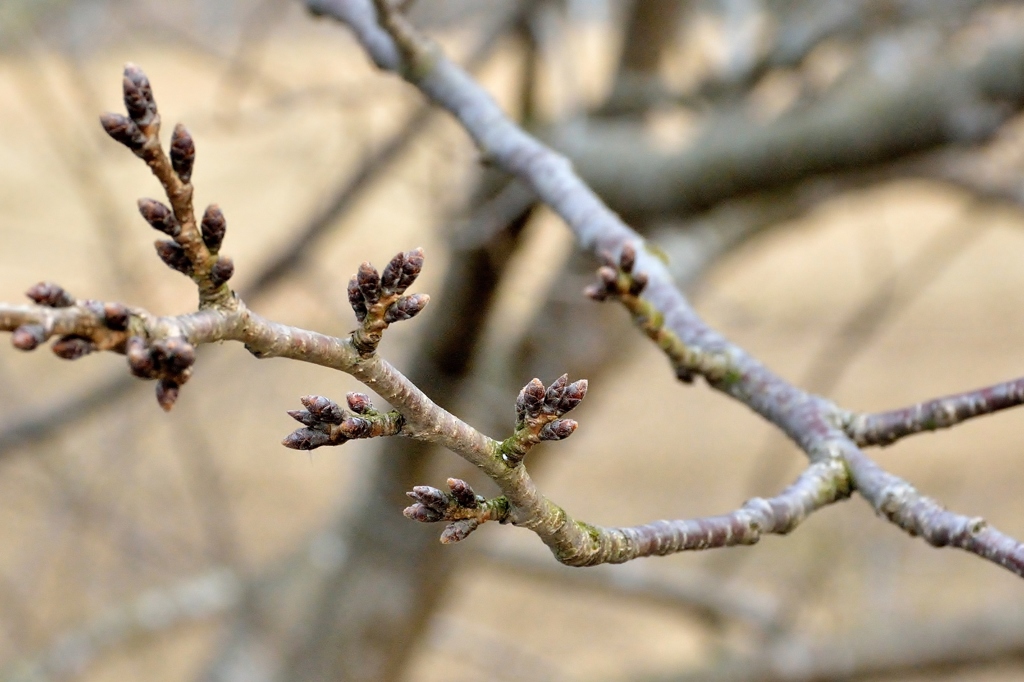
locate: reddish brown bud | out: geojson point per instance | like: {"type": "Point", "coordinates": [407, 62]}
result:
{"type": "Point", "coordinates": [421, 513]}
{"type": "Point", "coordinates": [391, 275]}
{"type": "Point", "coordinates": [463, 493]}
{"type": "Point", "coordinates": [359, 402]}
{"type": "Point", "coordinates": [307, 439]}
{"type": "Point", "coordinates": [183, 153]}
{"type": "Point", "coordinates": [221, 271]}
{"type": "Point", "coordinates": [369, 283]}
{"type": "Point", "coordinates": [51, 295]}
{"type": "Point", "coordinates": [558, 429]}
{"type": "Point", "coordinates": [159, 217]}
{"type": "Point", "coordinates": [411, 269]}
{"type": "Point", "coordinates": [637, 284]}
{"type": "Point", "coordinates": [406, 308]}
{"type": "Point", "coordinates": [138, 95]}
{"type": "Point", "coordinates": [573, 396]}
{"type": "Point", "coordinates": [323, 409]}
{"type": "Point", "coordinates": [140, 359]}
{"type": "Point", "coordinates": [72, 347]}
{"type": "Point", "coordinates": [521, 405]}
{"type": "Point", "coordinates": [430, 497]}
{"type": "Point", "coordinates": [553, 396]}
{"type": "Point", "coordinates": [167, 393]}
{"type": "Point", "coordinates": [115, 316]}
{"type": "Point", "coordinates": [533, 397]}
{"type": "Point", "coordinates": [122, 129]}
{"type": "Point", "coordinates": [609, 277]}
{"type": "Point", "coordinates": [355, 299]}
{"type": "Point", "coordinates": [173, 355]}
{"type": "Point", "coordinates": [28, 336]}
{"type": "Point", "coordinates": [457, 531]}
{"type": "Point", "coordinates": [597, 292]}
{"type": "Point", "coordinates": [628, 258]}
{"type": "Point", "coordinates": [213, 226]}
{"type": "Point", "coordinates": [356, 427]}
{"type": "Point", "coordinates": [303, 417]}
{"type": "Point", "coordinates": [173, 256]}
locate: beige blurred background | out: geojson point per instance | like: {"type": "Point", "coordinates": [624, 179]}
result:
{"type": "Point", "coordinates": [128, 537]}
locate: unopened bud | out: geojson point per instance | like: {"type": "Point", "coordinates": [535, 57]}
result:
{"type": "Point", "coordinates": [115, 316]}
{"type": "Point", "coordinates": [167, 393]}
{"type": "Point", "coordinates": [159, 217]}
{"type": "Point", "coordinates": [323, 409]}
{"type": "Point", "coordinates": [173, 256]}
{"type": "Point", "coordinates": [596, 292]}
{"type": "Point", "coordinates": [356, 300]}
{"type": "Point", "coordinates": [430, 497]}
{"type": "Point", "coordinates": [183, 153]}
{"type": "Point", "coordinates": [174, 355]}
{"type": "Point", "coordinates": [628, 258]}
{"type": "Point", "coordinates": [463, 493]}
{"type": "Point", "coordinates": [533, 397]}
{"type": "Point", "coordinates": [572, 396]}
{"type": "Point", "coordinates": [138, 95]}
{"type": "Point", "coordinates": [221, 271]}
{"type": "Point", "coordinates": [558, 429]}
{"type": "Point", "coordinates": [213, 226]}
{"type": "Point", "coordinates": [306, 439]}
{"type": "Point", "coordinates": [358, 402]}
{"type": "Point", "coordinates": [140, 359]}
{"type": "Point", "coordinates": [51, 295]}
{"type": "Point", "coordinates": [391, 274]}
{"type": "Point", "coordinates": [609, 277]}
{"type": "Point", "coordinates": [411, 269]}
{"type": "Point", "coordinates": [637, 283]}
{"type": "Point", "coordinates": [406, 308]}
{"type": "Point", "coordinates": [122, 129]}
{"type": "Point", "coordinates": [72, 347]}
{"type": "Point", "coordinates": [553, 396]}
{"type": "Point", "coordinates": [421, 513]}
{"type": "Point", "coordinates": [303, 417]}
{"type": "Point", "coordinates": [28, 336]}
{"type": "Point", "coordinates": [457, 531]}
{"type": "Point", "coordinates": [369, 283]}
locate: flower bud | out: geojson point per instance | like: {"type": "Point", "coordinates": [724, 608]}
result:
{"type": "Point", "coordinates": [558, 429]}
{"type": "Point", "coordinates": [28, 336]}
{"type": "Point", "coordinates": [463, 493]}
{"type": "Point", "coordinates": [421, 513]}
{"type": "Point", "coordinates": [307, 439]}
{"type": "Point", "coordinates": [138, 95]}
{"type": "Point", "coordinates": [183, 153]}
{"type": "Point", "coordinates": [213, 226]}
{"type": "Point", "coordinates": [356, 300]}
{"type": "Point", "coordinates": [359, 402]}
{"type": "Point", "coordinates": [356, 427]}
{"type": "Point", "coordinates": [457, 531]}
{"type": "Point", "coordinates": [533, 397]}
{"type": "Point", "coordinates": [628, 258]}
{"type": "Point", "coordinates": [122, 129]}
{"type": "Point", "coordinates": [159, 217]}
{"type": "Point", "coordinates": [173, 256]}
{"type": "Point", "coordinates": [430, 497]}
{"type": "Point", "coordinates": [167, 393]}
{"type": "Point", "coordinates": [116, 316]}
{"type": "Point", "coordinates": [323, 409]}
{"type": "Point", "coordinates": [72, 347]}
{"type": "Point", "coordinates": [406, 308]}
{"type": "Point", "coordinates": [553, 396]}
{"type": "Point", "coordinates": [369, 283]}
{"type": "Point", "coordinates": [221, 271]}
{"type": "Point", "coordinates": [573, 396]}
{"type": "Point", "coordinates": [50, 295]}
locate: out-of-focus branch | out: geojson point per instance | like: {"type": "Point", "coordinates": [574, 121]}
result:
{"type": "Point", "coordinates": [714, 601]}
{"type": "Point", "coordinates": [897, 646]}
{"type": "Point", "coordinates": [152, 614]}
{"type": "Point", "coordinates": [870, 121]}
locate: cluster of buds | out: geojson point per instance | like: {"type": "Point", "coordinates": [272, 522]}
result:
{"type": "Point", "coordinates": [139, 131]}
{"type": "Point", "coordinates": [109, 317]}
{"type": "Point", "coordinates": [461, 507]}
{"type": "Point", "coordinates": [379, 299]}
{"type": "Point", "coordinates": [326, 423]}
{"type": "Point", "coordinates": [169, 361]}
{"type": "Point", "coordinates": [539, 413]}
{"type": "Point", "coordinates": [617, 279]}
